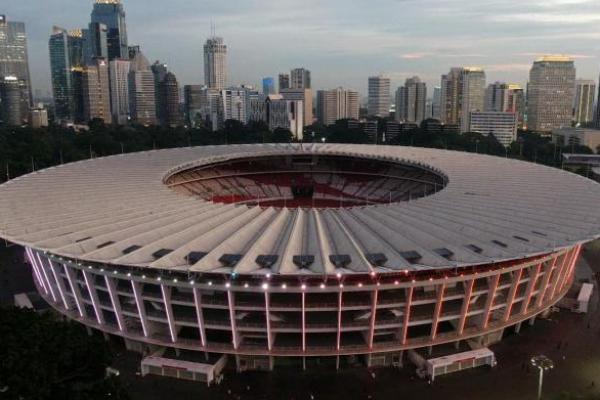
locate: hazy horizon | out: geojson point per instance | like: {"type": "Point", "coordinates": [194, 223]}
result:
{"type": "Point", "coordinates": [341, 43]}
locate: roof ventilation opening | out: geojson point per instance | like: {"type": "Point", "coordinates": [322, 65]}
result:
{"type": "Point", "coordinates": [230, 260]}
{"type": "Point", "coordinates": [521, 238]}
{"type": "Point", "coordinates": [83, 239]}
{"type": "Point", "coordinates": [303, 261]}
{"type": "Point", "coordinates": [194, 256]}
{"type": "Point", "coordinates": [105, 244]}
{"type": "Point", "coordinates": [267, 260]}
{"type": "Point", "coordinates": [131, 249]}
{"type": "Point", "coordinates": [376, 259]}
{"type": "Point", "coordinates": [411, 256]}
{"type": "Point", "coordinates": [444, 252]}
{"type": "Point", "coordinates": [499, 243]}
{"type": "Point", "coordinates": [474, 249]}
{"type": "Point", "coordinates": [340, 260]}
{"type": "Point", "coordinates": [161, 253]}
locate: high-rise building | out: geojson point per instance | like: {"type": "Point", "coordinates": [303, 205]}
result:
{"type": "Point", "coordinates": [60, 74]}
{"type": "Point", "coordinates": [504, 97]}
{"type": "Point", "coordinates": [168, 98]}
{"type": "Point", "coordinates": [142, 97]}
{"type": "Point", "coordinates": [11, 110]}
{"type": "Point", "coordinates": [111, 14]}
{"type": "Point", "coordinates": [192, 101]}
{"type": "Point", "coordinates": [450, 97]}
{"type": "Point", "coordinates": [119, 90]}
{"type": "Point", "coordinates": [473, 94]}
{"type": "Point", "coordinates": [38, 117]}
{"type": "Point", "coordinates": [14, 59]}
{"type": "Point", "coordinates": [300, 79]}
{"type": "Point", "coordinates": [96, 91]}
{"type": "Point", "coordinates": [215, 63]}
{"type": "Point", "coordinates": [336, 104]}
{"type": "Point", "coordinates": [411, 101]}
{"type": "Point", "coordinates": [306, 97]}
{"type": "Point", "coordinates": [550, 93]}
{"type": "Point", "coordinates": [284, 81]}
{"type": "Point", "coordinates": [436, 102]}
{"type": "Point", "coordinates": [585, 92]}
{"type": "Point", "coordinates": [160, 72]}
{"type": "Point", "coordinates": [66, 49]}
{"type": "Point", "coordinates": [234, 106]}
{"type": "Point", "coordinates": [77, 74]}
{"type": "Point", "coordinates": [379, 96]}
{"type": "Point", "coordinates": [269, 86]}
{"type": "Point", "coordinates": [96, 41]}
{"type": "Point", "coordinates": [284, 113]}
{"type": "Point", "coordinates": [462, 92]}
{"type": "Point", "coordinates": [501, 125]}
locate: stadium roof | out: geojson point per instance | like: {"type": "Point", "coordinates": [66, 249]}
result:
{"type": "Point", "coordinates": [117, 210]}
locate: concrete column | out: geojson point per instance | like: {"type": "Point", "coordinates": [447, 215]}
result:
{"type": "Point", "coordinates": [75, 290]}
{"type": "Point", "coordinates": [91, 287]}
{"type": "Point", "coordinates": [200, 316]}
{"type": "Point", "coordinates": [339, 322]}
{"type": "Point", "coordinates": [548, 272]}
{"type": "Point", "coordinates": [166, 294]}
{"type": "Point", "coordinates": [512, 293]}
{"type": "Point", "coordinates": [59, 284]}
{"type": "Point", "coordinates": [114, 299]}
{"type": "Point", "coordinates": [374, 296]}
{"type": "Point", "coordinates": [234, 333]}
{"type": "Point", "coordinates": [438, 309]}
{"type": "Point", "coordinates": [534, 274]}
{"type": "Point", "coordinates": [137, 294]}
{"type": "Point", "coordinates": [406, 322]}
{"type": "Point", "coordinates": [489, 302]}
{"type": "Point", "coordinates": [465, 306]}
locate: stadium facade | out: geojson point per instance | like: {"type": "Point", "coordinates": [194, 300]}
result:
{"type": "Point", "coordinates": [277, 251]}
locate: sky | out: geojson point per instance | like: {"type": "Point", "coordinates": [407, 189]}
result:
{"type": "Point", "coordinates": [342, 42]}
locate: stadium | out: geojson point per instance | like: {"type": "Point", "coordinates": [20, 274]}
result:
{"type": "Point", "coordinates": [284, 252]}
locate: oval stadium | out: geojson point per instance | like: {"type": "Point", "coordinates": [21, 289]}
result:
{"type": "Point", "coordinates": [273, 252]}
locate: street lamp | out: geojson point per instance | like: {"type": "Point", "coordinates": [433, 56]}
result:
{"type": "Point", "coordinates": [542, 363]}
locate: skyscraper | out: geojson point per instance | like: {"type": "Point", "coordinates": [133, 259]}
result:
{"type": "Point", "coordinates": [119, 90]}
{"type": "Point", "coordinates": [60, 74]}
{"type": "Point", "coordinates": [473, 94]}
{"type": "Point", "coordinates": [436, 102]}
{"type": "Point", "coordinates": [192, 100]}
{"type": "Point", "coordinates": [14, 59]}
{"type": "Point", "coordinates": [168, 98]}
{"type": "Point", "coordinates": [336, 104]}
{"type": "Point", "coordinates": [451, 95]}
{"type": "Point", "coordinates": [411, 101]}
{"type": "Point", "coordinates": [142, 98]}
{"type": "Point", "coordinates": [96, 41]}
{"type": "Point", "coordinates": [504, 97]}
{"type": "Point", "coordinates": [112, 14]}
{"type": "Point", "coordinates": [462, 92]}
{"type": "Point", "coordinates": [379, 96]}
{"type": "Point", "coordinates": [160, 71]}
{"type": "Point", "coordinates": [96, 91]}
{"type": "Point", "coordinates": [550, 93]}
{"type": "Point", "coordinates": [269, 86]}
{"type": "Point", "coordinates": [585, 91]}
{"type": "Point", "coordinates": [215, 63]}
{"type": "Point", "coordinates": [284, 81]}
{"type": "Point", "coordinates": [300, 79]}
{"type": "Point", "coordinates": [11, 110]}
{"type": "Point", "coordinates": [306, 97]}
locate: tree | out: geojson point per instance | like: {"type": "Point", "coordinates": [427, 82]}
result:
{"type": "Point", "coordinates": [46, 358]}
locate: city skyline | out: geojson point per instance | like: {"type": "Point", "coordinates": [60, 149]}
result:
{"type": "Point", "coordinates": [367, 42]}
